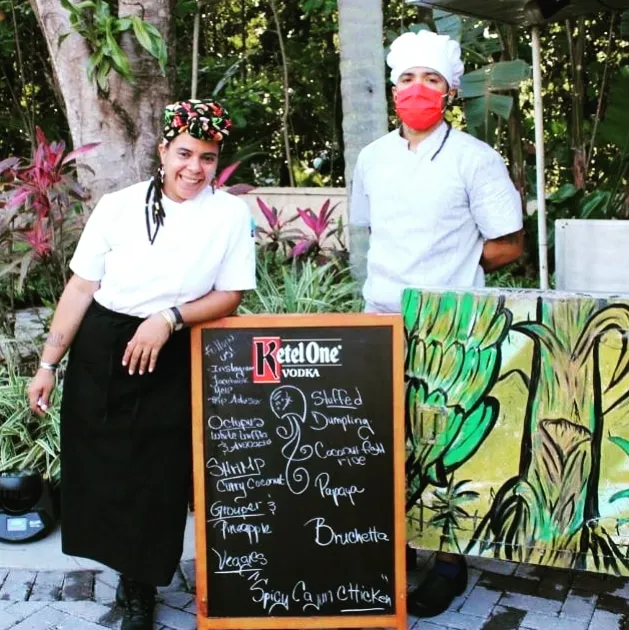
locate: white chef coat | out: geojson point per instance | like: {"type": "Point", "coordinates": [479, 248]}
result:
{"type": "Point", "coordinates": [429, 218]}
{"type": "Point", "coordinates": [205, 243]}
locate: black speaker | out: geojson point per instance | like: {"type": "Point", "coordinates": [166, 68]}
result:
{"type": "Point", "coordinates": [26, 507]}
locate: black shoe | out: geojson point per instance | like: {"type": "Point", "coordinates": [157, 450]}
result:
{"type": "Point", "coordinates": [139, 602]}
{"type": "Point", "coordinates": [436, 592]}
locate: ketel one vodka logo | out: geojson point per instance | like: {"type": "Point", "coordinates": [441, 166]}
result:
{"type": "Point", "coordinates": [274, 357]}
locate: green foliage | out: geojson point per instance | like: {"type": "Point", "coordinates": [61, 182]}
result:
{"type": "Point", "coordinates": [482, 93]}
{"type": "Point", "coordinates": [27, 442]}
{"type": "Point", "coordinates": [615, 126]}
{"type": "Point", "coordinates": [92, 20]}
{"type": "Point", "coordinates": [301, 287]}
{"type": "Point", "coordinates": [27, 93]}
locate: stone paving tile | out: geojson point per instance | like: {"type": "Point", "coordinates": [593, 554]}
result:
{"type": "Point", "coordinates": [603, 620]}
{"type": "Point", "coordinates": [578, 605]}
{"type": "Point", "coordinates": [90, 611]}
{"type": "Point", "coordinates": [17, 585]}
{"type": "Point", "coordinates": [537, 621]}
{"type": "Point", "coordinates": [424, 624]}
{"type": "Point", "coordinates": [105, 583]}
{"type": "Point", "coordinates": [459, 621]}
{"type": "Point", "coordinates": [50, 619]}
{"type": "Point", "coordinates": [175, 619]}
{"type": "Point", "coordinates": [555, 585]}
{"type": "Point", "coordinates": [531, 571]}
{"type": "Point", "coordinates": [490, 564]}
{"type": "Point", "coordinates": [47, 586]}
{"type": "Point", "coordinates": [178, 583]}
{"type": "Point", "coordinates": [78, 586]}
{"type": "Point", "coordinates": [481, 602]}
{"type": "Point", "coordinates": [613, 603]}
{"type": "Point", "coordinates": [503, 618]}
{"type": "Point", "coordinates": [530, 603]}
{"type": "Point", "coordinates": [17, 611]}
{"type": "Point", "coordinates": [189, 575]}
{"type": "Point", "coordinates": [511, 583]}
{"type": "Point", "coordinates": [174, 599]}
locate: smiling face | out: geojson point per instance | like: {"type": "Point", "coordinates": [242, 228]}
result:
{"type": "Point", "coordinates": [189, 166]}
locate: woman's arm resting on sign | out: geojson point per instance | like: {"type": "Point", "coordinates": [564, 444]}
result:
{"type": "Point", "coordinates": [143, 349]}
{"type": "Point", "coordinates": [501, 251]}
{"type": "Point", "coordinates": [74, 302]}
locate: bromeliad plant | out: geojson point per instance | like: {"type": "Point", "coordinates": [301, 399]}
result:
{"type": "Point", "coordinates": [42, 213]}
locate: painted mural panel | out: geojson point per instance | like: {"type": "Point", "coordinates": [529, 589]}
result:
{"type": "Point", "coordinates": [517, 416]}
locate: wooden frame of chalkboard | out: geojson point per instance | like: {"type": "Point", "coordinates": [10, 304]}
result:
{"type": "Point", "coordinates": [240, 497]}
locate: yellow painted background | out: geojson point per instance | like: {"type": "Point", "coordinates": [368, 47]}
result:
{"type": "Point", "coordinates": [498, 457]}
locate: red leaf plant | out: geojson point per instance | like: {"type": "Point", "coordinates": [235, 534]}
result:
{"type": "Point", "coordinates": [275, 235]}
{"type": "Point", "coordinates": [40, 210]}
{"type": "Point", "coordinates": [236, 189]}
{"type": "Point", "coordinates": [321, 226]}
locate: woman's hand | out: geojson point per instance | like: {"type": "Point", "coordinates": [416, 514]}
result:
{"type": "Point", "coordinates": [143, 349]}
{"type": "Point", "coordinates": [40, 389]}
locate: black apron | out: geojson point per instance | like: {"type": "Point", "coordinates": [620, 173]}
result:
{"type": "Point", "coordinates": [125, 450]}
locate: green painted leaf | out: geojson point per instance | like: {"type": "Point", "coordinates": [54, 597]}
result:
{"type": "Point", "coordinates": [619, 441]}
{"type": "Point", "coordinates": [623, 494]}
{"type": "Point", "coordinates": [474, 430]}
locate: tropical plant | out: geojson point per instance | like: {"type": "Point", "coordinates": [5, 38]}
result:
{"type": "Point", "coordinates": [549, 513]}
{"type": "Point", "coordinates": [321, 226]}
{"type": "Point", "coordinates": [92, 19]}
{"type": "Point", "coordinates": [27, 442]}
{"type": "Point", "coordinates": [275, 237]}
{"type": "Point", "coordinates": [236, 189]}
{"type": "Point", "coordinates": [446, 504]}
{"type": "Point", "coordinates": [453, 360]}
{"type": "Point", "coordinates": [302, 287]}
{"type": "Point", "coordinates": [42, 216]}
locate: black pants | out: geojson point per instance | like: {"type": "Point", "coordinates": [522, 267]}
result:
{"type": "Point", "coordinates": [125, 451]}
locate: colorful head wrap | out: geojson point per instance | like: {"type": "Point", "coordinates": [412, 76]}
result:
{"type": "Point", "coordinates": [202, 119]}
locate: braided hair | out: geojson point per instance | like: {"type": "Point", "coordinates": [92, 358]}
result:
{"type": "Point", "coordinates": [201, 119]}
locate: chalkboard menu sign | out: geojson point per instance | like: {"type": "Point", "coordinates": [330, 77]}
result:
{"type": "Point", "coordinates": [298, 446]}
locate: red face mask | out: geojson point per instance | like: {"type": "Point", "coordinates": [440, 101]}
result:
{"type": "Point", "coordinates": [419, 106]}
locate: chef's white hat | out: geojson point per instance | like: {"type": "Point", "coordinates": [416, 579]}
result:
{"type": "Point", "coordinates": [428, 50]}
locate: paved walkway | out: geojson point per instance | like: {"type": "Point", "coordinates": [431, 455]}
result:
{"type": "Point", "coordinates": [500, 596]}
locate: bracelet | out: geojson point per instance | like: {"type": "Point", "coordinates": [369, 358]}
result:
{"type": "Point", "coordinates": [178, 318]}
{"type": "Point", "coordinates": [51, 367]}
{"type": "Point", "coordinates": [170, 319]}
